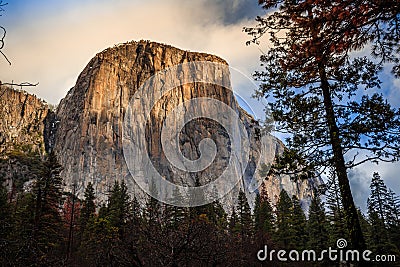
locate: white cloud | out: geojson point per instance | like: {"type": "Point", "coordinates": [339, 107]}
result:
{"type": "Point", "coordinates": [360, 179]}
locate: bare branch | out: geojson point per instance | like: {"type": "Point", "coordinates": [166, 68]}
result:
{"type": "Point", "coordinates": [2, 38]}
{"type": "Point", "coordinates": [23, 84]}
{"type": "Point", "coordinates": [375, 160]}
{"type": "Point", "coordinates": [1, 6]}
{"type": "Point", "coordinates": [4, 33]}
{"type": "Point", "coordinates": [2, 43]}
{"type": "Point", "coordinates": [20, 84]}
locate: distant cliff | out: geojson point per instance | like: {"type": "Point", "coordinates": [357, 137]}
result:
{"type": "Point", "coordinates": [22, 120]}
{"type": "Point", "coordinates": [25, 123]}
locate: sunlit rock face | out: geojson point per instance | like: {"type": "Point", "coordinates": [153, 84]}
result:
{"type": "Point", "coordinates": [87, 131]}
{"type": "Point", "coordinates": [24, 130]}
{"type": "Point", "coordinates": [22, 120]}
{"type": "Point", "coordinates": [89, 135]}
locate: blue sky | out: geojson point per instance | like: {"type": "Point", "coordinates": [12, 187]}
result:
{"type": "Point", "coordinates": [50, 42]}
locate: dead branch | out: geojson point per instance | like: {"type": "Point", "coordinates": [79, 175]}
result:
{"type": "Point", "coordinates": [4, 33]}
{"type": "Point", "coordinates": [19, 84]}
{"type": "Point", "coordinates": [23, 84]}
{"type": "Point", "coordinates": [2, 43]}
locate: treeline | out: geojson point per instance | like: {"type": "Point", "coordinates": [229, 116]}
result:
{"type": "Point", "coordinates": [44, 226]}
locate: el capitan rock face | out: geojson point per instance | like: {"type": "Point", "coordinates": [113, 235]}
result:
{"type": "Point", "coordinates": [89, 135]}
{"type": "Point", "coordinates": [86, 132]}
{"type": "Point", "coordinates": [88, 140]}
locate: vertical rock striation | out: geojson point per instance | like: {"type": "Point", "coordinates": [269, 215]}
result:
{"type": "Point", "coordinates": [88, 140]}
{"type": "Point", "coordinates": [89, 135]}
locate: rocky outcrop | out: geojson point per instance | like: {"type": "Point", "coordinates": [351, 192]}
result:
{"type": "Point", "coordinates": [22, 121]}
{"type": "Point", "coordinates": [88, 140]}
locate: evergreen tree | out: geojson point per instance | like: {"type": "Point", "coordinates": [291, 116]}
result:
{"type": "Point", "coordinates": [215, 211]}
{"type": "Point", "coordinates": [233, 221]}
{"type": "Point", "coordinates": [394, 206]}
{"type": "Point", "coordinates": [38, 233]}
{"type": "Point", "coordinates": [136, 212]}
{"type": "Point", "coordinates": [133, 234]}
{"type": "Point", "coordinates": [244, 223]}
{"type": "Point", "coordinates": [174, 215]}
{"type": "Point", "coordinates": [284, 234]}
{"type": "Point", "coordinates": [378, 201]}
{"type": "Point", "coordinates": [25, 249]}
{"type": "Point", "coordinates": [88, 207]}
{"type": "Point", "coordinates": [365, 226]}
{"type": "Point", "coordinates": [101, 244]}
{"type": "Point", "coordinates": [216, 214]}
{"type": "Point", "coordinates": [48, 224]}
{"type": "Point", "coordinates": [394, 218]}
{"type": "Point", "coordinates": [119, 205]}
{"type": "Point", "coordinates": [317, 225]}
{"type": "Point", "coordinates": [152, 211]}
{"type": "Point", "coordinates": [105, 236]}
{"type": "Point", "coordinates": [88, 210]}
{"type": "Point", "coordinates": [379, 214]}
{"type": "Point", "coordinates": [380, 241]}
{"type": "Point", "coordinates": [263, 214]}
{"type": "Point", "coordinates": [335, 213]}
{"type": "Point", "coordinates": [298, 224]}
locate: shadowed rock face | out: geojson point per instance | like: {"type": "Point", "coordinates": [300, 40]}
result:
{"type": "Point", "coordinates": [88, 140]}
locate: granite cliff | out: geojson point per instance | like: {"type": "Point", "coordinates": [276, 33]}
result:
{"type": "Point", "coordinates": [87, 130]}
{"type": "Point", "coordinates": [22, 120]}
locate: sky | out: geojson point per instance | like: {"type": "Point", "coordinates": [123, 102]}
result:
{"type": "Point", "coordinates": [50, 42]}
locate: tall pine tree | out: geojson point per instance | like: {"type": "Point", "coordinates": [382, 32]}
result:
{"type": "Point", "coordinates": [379, 214]}
{"type": "Point", "coordinates": [88, 210]}
{"type": "Point", "coordinates": [48, 223]}
{"type": "Point", "coordinates": [284, 234]}
{"type": "Point", "coordinates": [317, 225]}
{"type": "Point", "coordinates": [263, 213]}
{"type": "Point", "coordinates": [335, 211]}
{"type": "Point", "coordinates": [378, 201]}
{"type": "Point", "coordinates": [298, 225]}
{"type": "Point", "coordinates": [312, 83]}
{"type": "Point", "coordinates": [119, 205]}
{"type": "Point", "coordinates": [88, 205]}
{"type": "Point", "coordinates": [244, 223]}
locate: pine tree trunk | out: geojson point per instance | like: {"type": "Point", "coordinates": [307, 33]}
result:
{"type": "Point", "coordinates": [352, 221]}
